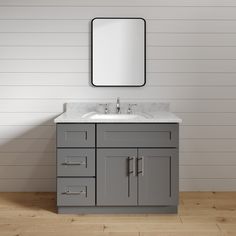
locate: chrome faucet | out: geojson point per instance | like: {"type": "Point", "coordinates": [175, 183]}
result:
{"type": "Point", "coordinates": [118, 105]}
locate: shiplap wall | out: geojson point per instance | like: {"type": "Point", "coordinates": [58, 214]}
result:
{"type": "Point", "coordinates": [191, 63]}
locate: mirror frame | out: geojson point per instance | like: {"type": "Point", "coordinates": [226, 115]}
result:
{"type": "Point", "coordinates": [144, 82]}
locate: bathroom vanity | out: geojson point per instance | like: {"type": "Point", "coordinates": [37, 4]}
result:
{"type": "Point", "coordinates": [126, 164]}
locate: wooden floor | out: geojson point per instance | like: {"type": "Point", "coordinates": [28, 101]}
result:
{"type": "Point", "coordinates": [200, 214]}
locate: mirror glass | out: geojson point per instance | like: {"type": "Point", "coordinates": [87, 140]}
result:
{"type": "Point", "coordinates": [118, 52]}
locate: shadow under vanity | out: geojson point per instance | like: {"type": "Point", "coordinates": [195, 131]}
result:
{"type": "Point", "coordinates": [110, 164]}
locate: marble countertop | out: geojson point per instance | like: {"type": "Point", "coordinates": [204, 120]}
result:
{"type": "Point", "coordinates": [157, 112]}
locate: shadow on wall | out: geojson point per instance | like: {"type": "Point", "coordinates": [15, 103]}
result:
{"type": "Point", "coordinates": [28, 157]}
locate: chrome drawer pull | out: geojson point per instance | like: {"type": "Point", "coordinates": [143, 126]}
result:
{"type": "Point", "coordinates": [68, 192]}
{"type": "Point", "coordinates": [142, 166]}
{"type": "Point", "coordinates": [133, 167]}
{"type": "Point", "coordinates": [68, 163]}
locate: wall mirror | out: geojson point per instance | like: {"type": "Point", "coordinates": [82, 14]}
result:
{"type": "Point", "coordinates": [118, 53]}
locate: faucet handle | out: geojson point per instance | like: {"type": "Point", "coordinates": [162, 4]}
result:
{"type": "Point", "coordinates": [106, 107]}
{"type": "Point", "coordinates": [129, 111]}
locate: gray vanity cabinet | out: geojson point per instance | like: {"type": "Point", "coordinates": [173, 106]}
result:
{"type": "Point", "coordinates": [125, 168]}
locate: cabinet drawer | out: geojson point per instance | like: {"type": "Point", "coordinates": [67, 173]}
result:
{"type": "Point", "coordinates": [137, 135]}
{"type": "Point", "coordinates": [75, 135]}
{"type": "Point", "coordinates": [75, 191]}
{"type": "Point", "coordinates": [75, 162]}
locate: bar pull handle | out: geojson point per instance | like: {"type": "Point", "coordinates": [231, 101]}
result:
{"type": "Point", "coordinates": [142, 166]}
{"type": "Point", "coordinates": [69, 163]}
{"type": "Point", "coordinates": [68, 192]}
{"type": "Point", "coordinates": [131, 171]}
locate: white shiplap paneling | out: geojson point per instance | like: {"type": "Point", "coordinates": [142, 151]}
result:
{"type": "Point", "coordinates": [82, 53]}
{"type": "Point", "coordinates": [44, 62]}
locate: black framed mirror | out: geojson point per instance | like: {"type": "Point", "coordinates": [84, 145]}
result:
{"type": "Point", "coordinates": [118, 52]}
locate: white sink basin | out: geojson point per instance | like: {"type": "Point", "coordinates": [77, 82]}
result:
{"type": "Point", "coordinates": [100, 116]}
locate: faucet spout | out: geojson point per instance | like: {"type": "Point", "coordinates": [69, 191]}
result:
{"type": "Point", "coordinates": [118, 105]}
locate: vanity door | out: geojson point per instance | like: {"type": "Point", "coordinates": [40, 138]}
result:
{"type": "Point", "coordinates": [157, 177]}
{"type": "Point", "coordinates": [116, 177]}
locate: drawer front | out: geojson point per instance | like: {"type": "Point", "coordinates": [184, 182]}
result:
{"type": "Point", "coordinates": [75, 162]}
{"type": "Point", "coordinates": [75, 191]}
{"type": "Point", "coordinates": [137, 135]}
{"type": "Point", "coordinates": [75, 135]}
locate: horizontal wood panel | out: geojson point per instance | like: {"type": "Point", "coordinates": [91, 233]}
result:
{"type": "Point", "coordinates": [74, 92]}
{"type": "Point", "coordinates": [197, 53]}
{"type": "Point", "coordinates": [39, 79]}
{"type": "Point", "coordinates": [191, 39]}
{"type": "Point", "coordinates": [118, 3]}
{"type": "Point", "coordinates": [190, 79]}
{"type": "Point", "coordinates": [207, 159]}
{"type": "Point", "coordinates": [28, 119]}
{"type": "Point", "coordinates": [78, 53]}
{"type": "Point", "coordinates": [153, 26]}
{"type": "Point", "coordinates": [49, 185]}
{"type": "Point", "coordinates": [192, 26]}
{"type": "Point", "coordinates": [81, 66]}
{"type": "Point", "coordinates": [27, 132]}
{"type": "Point", "coordinates": [46, 39]}
{"type": "Point", "coordinates": [44, 66]}
{"type": "Point", "coordinates": [205, 172]}
{"type": "Point", "coordinates": [55, 106]}
{"type": "Point", "coordinates": [196, 106]}
{"type": "Point", "coordinates": [82, 12]}
{"type": "Point", "coordinates": [226, 119]}
{"type": "Point", "coordinates": [208, 132]}
{"type": "Point", "coordinates": [153, 79]}
{"type": "Point", "coordinates": [27, 145]}
{"type": "Point", "coordinates": [49, 131]}
{"type": "Point", "coordinates": [44, 53]}
{"type": "Point", "coordinates": [186, 159]}
{"type": "Point", "coordinates": [36, 106]}
{"type": "Point", "coordinates": [28, 172]}
{"type": "Point", "coordinates": [49, 26]}
{"type": "Point", "coordinates": [28, 159]}
{"type": "Point", "coordinates": [45, 172]}
{"type": "Point", "coordinates": [207, 184]}
{"type": "Point", "coordinates": [49, 158]}
{"type": "Point", "coordinates": [186, 145]}
{"type": "Point", "coordinates": [208, 119]}
{"type": "Point", "coordinates": [83, 39]}
{"type": "Point", "coordinates": [208, 145]}
{"type": "Point", "coordinates": [193, 66]}
{"type": "Point", "coordinates": [28, 185]}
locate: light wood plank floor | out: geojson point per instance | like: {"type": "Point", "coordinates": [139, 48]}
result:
{"type": "Point", "coordinates": [200, 214]}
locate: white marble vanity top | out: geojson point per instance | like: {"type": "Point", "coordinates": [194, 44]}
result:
{"type": "Point", "coordinates": [142, 113]}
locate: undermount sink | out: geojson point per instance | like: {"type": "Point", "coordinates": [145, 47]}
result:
{"type": "Point", "coordinates": [113, 116]}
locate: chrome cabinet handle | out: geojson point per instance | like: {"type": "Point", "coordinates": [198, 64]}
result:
{"type": "Point", "coordinates": [132, 171]}
{"type": "Point", "coordinates": [142, 165]}
{"type": "Point", "coordinates": [68, 192]}
{"type": "Point", "coordinates": [68, 163]}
